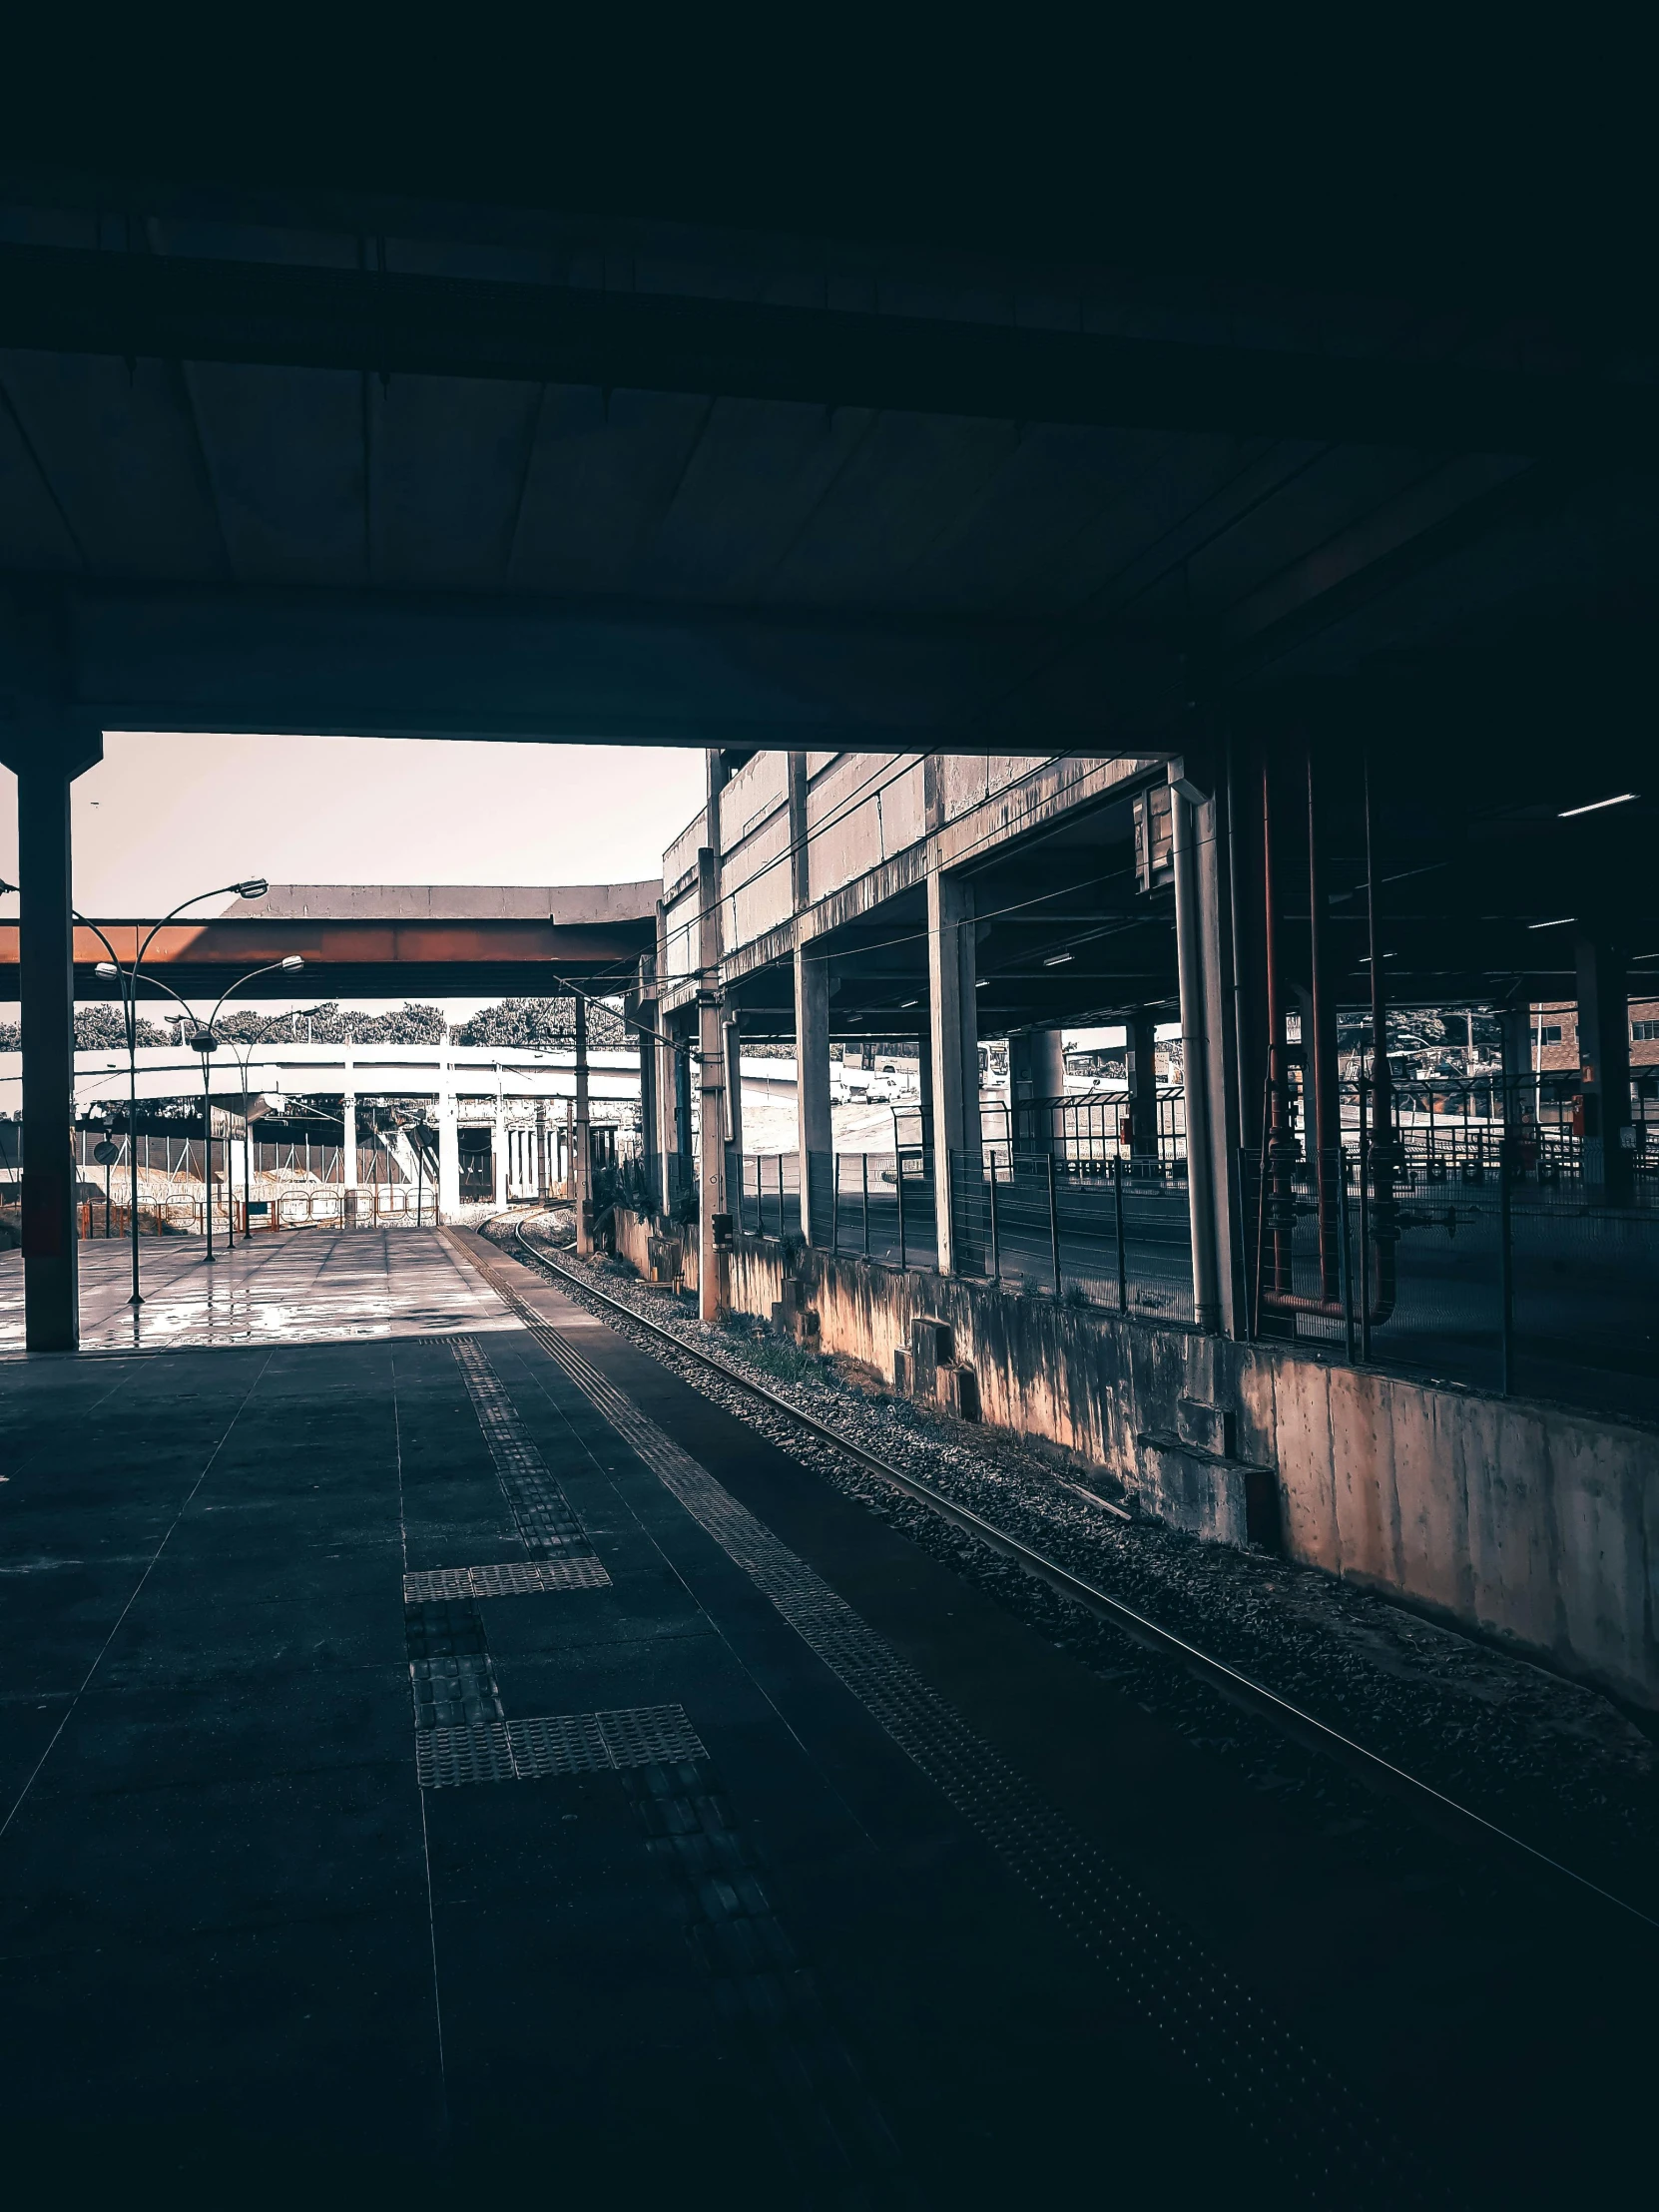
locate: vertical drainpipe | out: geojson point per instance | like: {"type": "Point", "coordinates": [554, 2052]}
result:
{"type": "Point", "coordinates": [1195, 1079]}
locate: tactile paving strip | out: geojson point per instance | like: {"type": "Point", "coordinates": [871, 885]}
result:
{"type": "Point", "coordinates": [544, 1516]}
{"type": "Point", "coordinates": [516, 1578]}
{"type": "Point", "coordinates": [450, 1675]}
{"type": "Point", "coordinates": [1271, 2083]}
{"type": "Point", "coordinates": [555, 1743]}
{"type": "Point", "coordinates": [447, 1756]}
{"type": "Point", "coordinates": [766, 1993]}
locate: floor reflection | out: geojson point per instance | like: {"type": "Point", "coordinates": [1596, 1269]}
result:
{"type": "Point", "coordinates": [303, 1286]}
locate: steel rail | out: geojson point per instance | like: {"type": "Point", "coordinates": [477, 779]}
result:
{"type": "Point", "coordinates": [1378, 1773]}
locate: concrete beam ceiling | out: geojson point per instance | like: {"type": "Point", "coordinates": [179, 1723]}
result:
{"type": "Point", "coordinates": [299, 464]}
{"type": "Point", "coordinates": [395, 322]}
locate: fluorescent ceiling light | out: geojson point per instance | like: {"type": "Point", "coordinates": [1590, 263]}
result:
{"type": "Point", "coordinates": [1057, 960]}
{"type": "Point", "coordinates": [908, 1002]}
{"type": "Point", "coordinates": [983, 984]}
{"type": "Point", "coordinates": [1619, 799]}
{"type": "Point", "coordinates": [1559, 922]}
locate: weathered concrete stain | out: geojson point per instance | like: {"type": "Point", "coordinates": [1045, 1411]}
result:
{"type": "Point", "coordinates": [1531, 1522]}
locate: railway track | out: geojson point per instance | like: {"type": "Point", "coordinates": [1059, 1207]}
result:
{"type": "Point", "coordinates": [1427, 1802]}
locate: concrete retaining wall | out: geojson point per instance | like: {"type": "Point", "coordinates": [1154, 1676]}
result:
{"type": "Point", "coordinates": [1530, 1521]}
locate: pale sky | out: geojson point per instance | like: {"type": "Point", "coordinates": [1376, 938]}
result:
{"type": "Point", "coordinates": [164, 816]}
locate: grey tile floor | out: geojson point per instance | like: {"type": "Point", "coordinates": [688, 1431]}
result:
{"type": "Point", "coordinates": [245, 1956]}
{"type": "Point", "coordinates": [244, 1952]}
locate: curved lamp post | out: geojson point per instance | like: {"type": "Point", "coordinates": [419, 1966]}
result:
{"type": "Point", "coordinates": [204, 1040]}
{"type": "Point", "coordinates": [255, 887]}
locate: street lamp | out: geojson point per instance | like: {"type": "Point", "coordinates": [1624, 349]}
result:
{"type": "Point", "coordinates": [204, 1040]}
{"type": "Point", "coordinates": [253, 887]}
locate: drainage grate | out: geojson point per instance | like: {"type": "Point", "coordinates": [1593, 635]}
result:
{"type": "Point", "coordinates": [1252, 2065]}
{"type": "Point", "coordinates": [517, 1578]}
{"type": "Point", "coordinates": [546, 1520]}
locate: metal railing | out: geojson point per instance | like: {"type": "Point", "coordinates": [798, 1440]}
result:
{"type": "Point", "coordinates": [1117, 1237]}
{"type": "Point", "coordinates": [1118, 1240]}
{"type": "Point", "coordinates": [1491, 1279]}
{"type": "Point", "coordinates": [1088, 1130]}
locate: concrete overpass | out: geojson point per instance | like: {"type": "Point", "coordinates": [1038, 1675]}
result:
{"type": "Point", "coordinates": [380, 941]}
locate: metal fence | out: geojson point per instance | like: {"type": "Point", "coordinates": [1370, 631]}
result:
{"type": "Point", "coordinates": [1493, 1279]}
{"type": "Point", "coordinates": [1114, 1234]}
{"type": "Point", "coordinates": [1063, 1228]}
{"type": "Point", "coordinates": [1091, 1129]}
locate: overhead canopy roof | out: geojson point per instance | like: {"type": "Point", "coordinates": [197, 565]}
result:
{"type": "Point", "coordinates": [280, 460]}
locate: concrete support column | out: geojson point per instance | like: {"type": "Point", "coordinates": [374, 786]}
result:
{"type": "Point", "coordinates": [1036, 1071]}
{"type": "Point", "coordinates": [712, 1078]}
{"type": "Point", "coordinates": [1514, 1046]}
{"type": "Point", "coordinates": [1141, 1101]}
{"type": "Point", "coordinates": [1195, 1058]}
{"type": "Point", "coordinates": [953, 1055]}
{"type": "Point", "coordinates": [46, 985]}
{"type": "Point", "coordinates": [1604, 1069]}
{"type": "Point", "coordinates": [449, 1140]}
{"type": "Point", "coordinates": [541, 1152]}
{"type": "Point", "coordinates": [799, 850]}
{"type": "Point", "coordinates": [583, 1162]}
{"type": "Point", "coordinates": [498, 1146]}
{"type": "Point", "coordinates": [812, 1131]}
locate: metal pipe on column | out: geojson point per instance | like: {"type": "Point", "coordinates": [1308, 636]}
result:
{"type": "Point", "coordinates": [1380, 1292]}
{"type": "Point", "coordinates": [1277, 1144]}
{"type": "Point", "coordinates": [1319, 1059]}
{"type": "Point", "coordinates": [1195, 1077]}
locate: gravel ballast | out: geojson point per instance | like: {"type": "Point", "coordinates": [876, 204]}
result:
{"type": "Point", "coordinates": [1554, 1762]}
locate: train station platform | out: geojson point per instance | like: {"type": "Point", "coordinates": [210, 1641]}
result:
{"type": "Point", "coordinates": [442, 1749]}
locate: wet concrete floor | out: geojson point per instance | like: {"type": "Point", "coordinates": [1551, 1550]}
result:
{"type": "Point", "coordinates": [300, 1286]}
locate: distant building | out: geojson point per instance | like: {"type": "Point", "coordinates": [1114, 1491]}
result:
{"type": "Point", "coordinates": [1555, 1038]}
